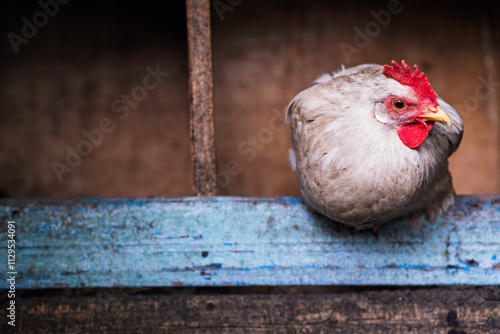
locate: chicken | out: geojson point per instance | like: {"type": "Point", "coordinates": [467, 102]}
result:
{"type": "Point", "coordinates": [371, 145]}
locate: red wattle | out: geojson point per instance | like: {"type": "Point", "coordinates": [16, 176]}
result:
{"type": "Point", "coordinates": [413, 134]}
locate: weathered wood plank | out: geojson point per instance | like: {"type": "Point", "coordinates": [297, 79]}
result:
{"type": "Point", "coordinates": [201, 97]}
{"type": "Point", "coordinates": [428, 311]}
{"type": "Point", "coordinates": [220, 241]}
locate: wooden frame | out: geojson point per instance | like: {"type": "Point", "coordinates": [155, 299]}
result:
{"type": "Point", "coordinates": [201, 97]}
{"type": "Point", "coordinates": [397, 311]}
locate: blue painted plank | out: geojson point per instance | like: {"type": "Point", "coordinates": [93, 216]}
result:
{"type": "Point", "coordinates": [222, 241]}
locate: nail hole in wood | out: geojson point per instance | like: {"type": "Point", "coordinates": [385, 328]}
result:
{"type": "Point", "coordinates": [472, 263]}
{"type": "Point", "coordinates": [210, 306]}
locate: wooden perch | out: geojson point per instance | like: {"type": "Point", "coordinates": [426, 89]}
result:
{"type": "Point", "coordinates": [233, 241]}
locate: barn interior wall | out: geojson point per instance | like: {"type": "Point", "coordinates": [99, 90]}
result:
{"type": "Point", "coordinates": [110, 80]}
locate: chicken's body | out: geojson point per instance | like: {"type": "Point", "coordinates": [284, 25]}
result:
{"type": "Point", "coordinates": [353, 159]}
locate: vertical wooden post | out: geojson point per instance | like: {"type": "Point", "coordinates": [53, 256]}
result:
{"type": "Point", "coordinates": [201, 97]}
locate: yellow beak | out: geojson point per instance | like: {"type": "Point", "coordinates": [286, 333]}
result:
{"type": "Point", "coordinates": [437, 115]}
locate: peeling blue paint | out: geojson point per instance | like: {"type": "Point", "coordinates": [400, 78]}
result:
{"type": "Point", "coordinates": [406, 266]}
{"type": "Point", "coordinates": [291, 200]}
{"type": "Point", "coordinates": [249, 241]}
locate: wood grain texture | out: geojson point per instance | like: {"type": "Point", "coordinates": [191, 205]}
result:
{"type": "Point", "coordinates": [428, 311]}
{"type": "Point", "coordinates": [65, 82]}
{"type": "Point", "coordinates": [201, 97]}
{"type": "Point", "coordinates": [265, 52]}
{"type": "Point", "coordinates": [231, 241]}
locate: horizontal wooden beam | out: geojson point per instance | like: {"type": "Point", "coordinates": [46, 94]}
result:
{"type": "Point", "coordinates": [437, 310]}
{"type": "Point", "coordinates": [232, 241]}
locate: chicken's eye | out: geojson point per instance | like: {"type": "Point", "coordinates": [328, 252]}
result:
{"type": "Point", "coordinates": [399, 104]}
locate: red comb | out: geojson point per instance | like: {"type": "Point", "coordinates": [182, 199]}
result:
{"type": "Point", "coordinates": [416, 80]}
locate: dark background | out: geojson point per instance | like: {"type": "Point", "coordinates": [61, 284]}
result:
{"type": "Point", "coordinates": [65, 78]}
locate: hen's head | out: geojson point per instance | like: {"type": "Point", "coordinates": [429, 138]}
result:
{"type": "Point", "coordinates": [412, 106]}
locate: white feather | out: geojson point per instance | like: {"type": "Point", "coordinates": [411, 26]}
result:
{"type": "Point", "coordinates": [292, 161]}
